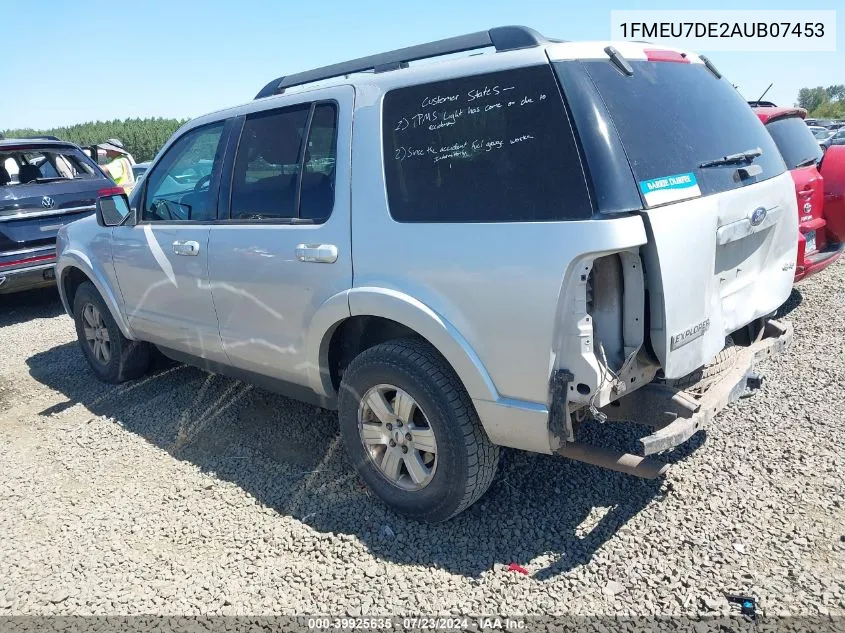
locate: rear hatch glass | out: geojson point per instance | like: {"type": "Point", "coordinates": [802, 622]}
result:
{"type": "Point", "coordinates": [672, 118]}
{"type": "Point", "coordinates": [796, 143]}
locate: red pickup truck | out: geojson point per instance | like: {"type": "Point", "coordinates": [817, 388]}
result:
{"type": "Point", "coordinates": [819, 184]}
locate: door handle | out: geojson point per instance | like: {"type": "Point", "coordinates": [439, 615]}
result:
{"type": "Point", "coordinates": [189, 248]}
{"type": "Point", "coordinates": [317, 253]}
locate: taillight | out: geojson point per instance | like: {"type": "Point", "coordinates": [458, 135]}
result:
{"type": "Point", "coordinates": [110, 191]}
{"type": "Point", "coordinates": [660, 55]}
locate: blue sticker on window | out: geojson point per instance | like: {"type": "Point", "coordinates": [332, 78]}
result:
{"type": "Point", "coordinates": [669, 189]}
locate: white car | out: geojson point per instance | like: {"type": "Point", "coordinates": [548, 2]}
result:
{"type": "Point", "coordinates": [820, 133]}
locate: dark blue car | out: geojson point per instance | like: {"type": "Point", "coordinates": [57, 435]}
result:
{"type": "Point", "coordinates": [44, 184]}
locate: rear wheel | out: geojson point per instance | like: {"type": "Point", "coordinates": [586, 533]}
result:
{"type": "Point", "coordinates": [112, 356]}
{"type": "Point", "coordinates": [412, 432]}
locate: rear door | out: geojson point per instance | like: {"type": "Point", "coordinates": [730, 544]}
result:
{"type": "Point", "coordinates": [722, 233]}
{"type": "Point", "coordinates": [284, 248]}
{"type": "Point", "coordinates": [161, 262]}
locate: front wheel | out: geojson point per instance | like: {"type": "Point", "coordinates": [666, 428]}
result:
{"type": "Point", "coordinates": [412, 432]}
{"type": "Point", "coordinates": [112, 356]}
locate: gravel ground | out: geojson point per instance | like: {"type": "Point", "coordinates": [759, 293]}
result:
{"type": "Point", "coordinates": [186, 493]}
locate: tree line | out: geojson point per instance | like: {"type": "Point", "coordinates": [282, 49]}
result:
{"type": "Point", "coordinates": [823, 103]}
{"type": "Point", "coordinates": [141, 137]}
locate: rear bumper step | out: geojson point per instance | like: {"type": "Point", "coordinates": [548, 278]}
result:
{"type": "Point", "coordinates": [677, 415]}
{"type": "Point", "coordinates": [819, 261]}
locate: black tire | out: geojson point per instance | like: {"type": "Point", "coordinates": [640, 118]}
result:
{"type": "Point", "coordinates": [466, 459]}
{"type": "Point", "coordinates": [127, 359]}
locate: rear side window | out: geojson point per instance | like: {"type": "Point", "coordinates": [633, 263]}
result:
{"type": "Point", "coordinates": [796, 143]}
{"type": "Point", "coordinates": [672, 117]}
{"type": "Point", "coordinates": [496, 147]}
{"type": "Point", "coordinates": [280, 173]}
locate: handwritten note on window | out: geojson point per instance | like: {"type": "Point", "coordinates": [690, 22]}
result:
{"type": "Point", "coordinates": [491, 147]}
{"type": "Point", "coordinates": [438, 112]}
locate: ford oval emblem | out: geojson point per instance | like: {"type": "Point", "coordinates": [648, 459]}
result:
{"type": "Point", "coordinates": [758, 215]}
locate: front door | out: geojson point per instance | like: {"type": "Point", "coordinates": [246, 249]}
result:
{"type": "Point", "coordinates": [285, 248]}
{"type": "Point", "coordinates": [161, 262]}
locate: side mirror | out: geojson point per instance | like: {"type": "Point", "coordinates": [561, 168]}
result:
{"type": "Point", "coordinates": [112, 207]}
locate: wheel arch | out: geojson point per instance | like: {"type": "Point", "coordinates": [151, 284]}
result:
{"type": "Point", "coordinates": [75, 268]}
{"type": "Point", "coordinates": [400, 314]}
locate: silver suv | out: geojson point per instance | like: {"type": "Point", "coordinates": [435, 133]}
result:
{"type": "Point", "coordinates": [458, 255]}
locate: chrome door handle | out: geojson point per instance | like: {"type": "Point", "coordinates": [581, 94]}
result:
{"type": "Point", "coordinates": [318, 253]}
{"type": "Point", "coordinates": [189, 248]}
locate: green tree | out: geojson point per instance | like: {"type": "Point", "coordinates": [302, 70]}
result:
{"type": "Point", "coordinates": [812, 98]}
{"type": "Point", "coordinates": [141, 137]}
{"type": "Point", "coordinates": [823, 103]}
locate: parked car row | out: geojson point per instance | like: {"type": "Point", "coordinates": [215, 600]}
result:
{"type": "Point", "coordinates": [509, 245]}
{"type": "Point", "coordinates": [828, 124]}
{"type": "Point", "coordinates": [821, 236]}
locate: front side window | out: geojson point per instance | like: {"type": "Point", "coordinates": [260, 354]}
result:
{"type": "Point", "coordinates": [496, 147]}
{"type": "Point", "coordinates": [284, 169]}
{"type": "Point", "coordinates": [179, 187]}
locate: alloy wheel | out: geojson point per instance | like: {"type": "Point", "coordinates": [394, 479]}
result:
{"type": "Point", "coordinates": [398, 437]}
{"type": "Point", "coordinates": [96, 334]}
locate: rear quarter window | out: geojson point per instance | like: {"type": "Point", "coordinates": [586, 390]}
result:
{"type": "Point", "coordinates": [496, 147]}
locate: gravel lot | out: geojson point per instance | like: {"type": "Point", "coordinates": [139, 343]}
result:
{"type": "Point", "coordinates": [186, 493]}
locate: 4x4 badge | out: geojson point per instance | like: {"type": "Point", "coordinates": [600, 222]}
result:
{"type": "Point", "coordinates": [47, 202]}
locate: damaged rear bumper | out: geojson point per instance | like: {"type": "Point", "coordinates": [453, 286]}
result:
{"type": "Point", "coordinates": [677, 414]}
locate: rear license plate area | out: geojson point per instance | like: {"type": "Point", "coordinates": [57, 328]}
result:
{"type": "Point", "coordinates": [810, 236]}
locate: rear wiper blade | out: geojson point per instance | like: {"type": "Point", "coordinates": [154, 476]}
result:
{"type": "Point", "coordinates": [733, 159]}
{"type": "Point", "coordinates": [807, 162]}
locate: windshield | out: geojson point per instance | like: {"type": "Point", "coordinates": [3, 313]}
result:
{"type": "Point", "coordinates": [795, 142]}
{"type": "Point", "coordinates": [27, 165]}
{"type": "Point", "coordinates": [675, 118]}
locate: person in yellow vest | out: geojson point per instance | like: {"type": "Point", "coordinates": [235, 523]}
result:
{"type": "Point", "coordinates": [117, 164]}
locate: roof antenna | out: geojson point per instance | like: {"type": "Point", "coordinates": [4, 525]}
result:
{"type": "Point", "coordinates": [760, 98]}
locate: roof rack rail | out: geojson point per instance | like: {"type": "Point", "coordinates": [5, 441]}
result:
{"type": "Point", "coordinates": [503, 38]}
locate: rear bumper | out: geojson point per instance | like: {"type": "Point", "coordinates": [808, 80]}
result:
{"type": "Point", "coordinates": [676, 415]}
{"type": "Point", "coordinates": [818, 261]}
{"type": "Point", "coordinates": [39, 275]}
